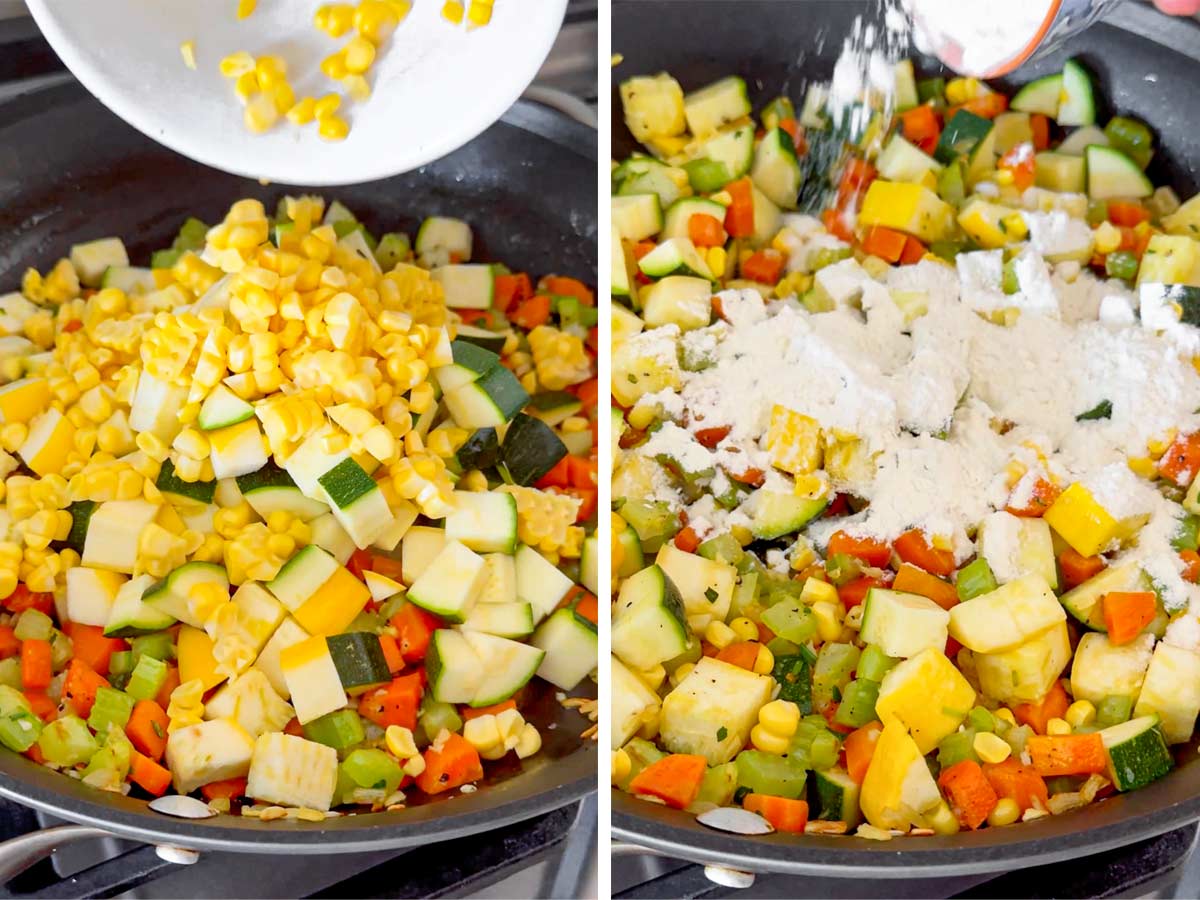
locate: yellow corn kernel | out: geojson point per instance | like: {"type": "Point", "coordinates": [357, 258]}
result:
{"type": "Point", "coordinates": [359, 54]}
{"type": "Point", "coordinates": [1143, 466]}
{"type": "Point", "coordinates": [1004, 177]}
{"type": "Point", "coordinates": [245, 8]}
{"type": "Point", "coordinates": [452, 11]}
{"type": "Point", "coordinates": [237, 64]}
{"type": "Point", "coordinates": [780, 717]}
{"type": "Point", "coordinates": [400, 742]}
{"type": "Point", "coordinates": [260, 114]}
{"type": "Point", "coordinates": [943, 820]}
{"type": "Point", "coordinates": [375, 20]}
{"type": "Point", "coordinates": [529, 741]}
{"type": "Point", "coordinates": [479, 13]}
{"type": "Point", "coordinates": [414, 766]}
{"type": "Point", "coordinates": [719, 635]}
{"type": "Point", "coordinates": [334, 66]}
{"type": "Point", "coordinates": [1058, 727]}
{"type": "Point", "coordinates": [764, 662]}
{"type": "Point", "coordinates": [1157, 446]}
{"type": "Point", "coordinates": [335, 19]}
{"type": "Point", "coordinates": [1081, 712]}
{"type": "Point", "coordinates": [990, 747]}
{"type": "Point", "coordinates": [357, 87]}
{"type": "Point", "coordinates": [188, 51]}
{"type": "Point", "coordinates": [717, 259]}
{"type": "Point", "coordinates": [621, 766]}
{"type": "Point", "coordinates": [1014, 226]}
{"type": "Point", "coordinates": [652, 678]}
{"type": "Point", "coordinates": [768, 741]}
{"type": "Point", "coordinates": [745, 629]}
{"type": "Point", "coordinates": [1108, 238]}
{"type": "Point", "coordinates": [681, 672]}
{"type": "Point", "coordinates": [333, 128]}
{"type": "Point", "coordinates": [246, 86]}
{"type": "Point", "coordinates": [829, 618]}
{"type": "Point", "coordinates": [817, 591]}
{"type": "Point", "coordinates": [303, 112]}
{"type": "Point", "coordinates": [1005, 812]}
{"type": "Point", "coordinates": [960, 90]}
{"type": "Point", "coordinates": [1006, 714]}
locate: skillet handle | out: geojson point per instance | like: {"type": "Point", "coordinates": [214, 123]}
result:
{"type": "Point", "coordinates": [19, 853]}
{"type": "Point", "coordinates": [721, 875]}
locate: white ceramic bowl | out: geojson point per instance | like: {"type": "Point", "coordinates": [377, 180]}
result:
{"type": "Point", "coordinates": [435, 86]}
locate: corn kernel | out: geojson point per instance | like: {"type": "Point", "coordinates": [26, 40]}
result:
{"type": "Point", "coordinates": [1014, 226]}
{"type": "Point", "coordinates": [188, 51]}
{"type": "Point", "coordinates": [990, 747]}
{"type": "Point", "coordinates": [1108, 238]}
{"type": "Point", "coordinates": [303, 112]}
{"type": "Point", "coordinates": [245, 8]}
{"type": "Point", "coordinates": [1058, 727]}
{"type": "Point", "coordinates": [719, 635]}
{"type": "Point", "coordinates": [479, 13]}
{"type": "Point", "coordinates": [1081, 712]}
{"type": "Point", "coordinates": [717, 259]}
{"type": "Point", "coordinates": [333, 128]}
{"type": "Point", "coordinates": [357, 87]}
{"type": "Point", "coordinates": [452, 11]}
{"type": "Point", "coordinates": [621, 766]}
{"type": "Point", "coordinates": [1006, 714]}
{"type": "Point", "coordinates": [768, 741]}
{"type": "Point", "coordinates": [781, 717]}
{"type": "Point", "coordinates": [681, 672]}
{"type": "Point", "coordinates": [1005, 812]}
{"type": "Point", "coordinates": [764, 662]}
{"type": "Point", "coordinates": [400, 742]}
{"type": "Point", "coordinates": [335, 19]}
{"type": "Point", "coordinates": [260, 114]}
{"type": "Point", "coordinates": [943, 820]}
{"type": "Point", "coordinates": [237, 64]}
{"type": "Point", "coordinates": [334, 66]}
{"type": "Point", "coordinates": [745, 629]}
{"type": "Point", "coordinates": [359, 55]}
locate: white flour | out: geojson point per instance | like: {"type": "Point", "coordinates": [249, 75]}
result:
{"type": "Point", "coordinates": [976, 37]}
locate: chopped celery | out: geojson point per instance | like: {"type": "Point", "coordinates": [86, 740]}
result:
{"type": "Point", "coordinates": [1131, 137]}
{"type": "Point", "coordinates": [975, 579]}
{"type": "Point", "coordinates": [62, 650]}
{"type": "Point", "coordinates": [653, 521]}
{"type": "Point", "coordinates": [147, 678]}
{"type": "Point", "coordinates": [120, 663]}
{"type": "Point", "coordinates": [33, 624]}
{"type": "Point", "coordinates": [745, 595]}
{"type": "Point", "coordinates": [1121, 264]}
{"type": "Point", "coordinates": [951, 184]}
{"type": "Point", "coordinates": [765, 773]}
{"type": "Point", "coordinates": [981, 719]}
{"type": "Point", "coordinates": [835, 663]}
{"type": "Point", "coordinates": [873, 664]}
{"type": "Point", "coordinates": [1097, 212]}
{"type": "Point", "coordinates": [10, 672]}
{"type": "Point", "coordinates": [435, 716]}
{"type": "Point", "coordinates": [794, 674]}
{"type": "Point", "coordinates": [19, 727]}
{"type": "Point", "coordinates": [842, 568]}
{"type": "Point", "coordinates": [391, 606]}
{"type": "Point", "coordinates": [956, 747]}
{"type": "Point", "coordinates": [1008, 278]}
{"type": "Point", "coordinates": [112, 707]}
{"type": "Point", "coordinates": [339, 729]}
{"type": "Point", "coordinates": [1187, 537]}
{"type": "Point", "coordinates": [792, 620]}
{"type": "Point", "coordinates": [947, 250]}
{"type": "Point", "coordinates": [827, 256]}
{"type": "Point", "coordinates": [1113, 710]}
{"type": "Point", "coordinates": [158, 645]}
{"type": "Point", "coordinates": [722, 548]}
{"type": "Point", "coordinates": [371, 768]}
{"type": "Point", "coordinates": [192, 235]}
{"type": "Point", "coordinates": [114, 756]}
{"type": "Point", "coordinates": [67, 742]}
{"type": "Point", "coordinates": [858, 703]}
{"type": "Point", "coordinates": [1063, 784]}
{"type": "Point", "coordinates": [823, 751]}
{"type": "Point", "coordinates": [719, 784]}
{"type": "Point", "coordinates": [394, 247]}
{"type": "Point", "coordinates": [367, 621]}
{"type": "Point", "coordinates": [932, 89]}
{"type": "Point", "coordinates": [782, 647]}
{"type": "Point", "coordinates": [1016, 738]}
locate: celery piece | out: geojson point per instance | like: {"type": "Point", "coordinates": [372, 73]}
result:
{"type": "Point", "coordinates": [858, 703]}
{"type": "Point", "coordinates": [794, 674]}
{"type": "Point", "coordinates": [956, 747]}
{"type": "Point", "coordinates": [192, 235]}
{"type": "Point", "coordinates": [719, 784]}
{"type": "Point", "coordinates": [932, 89]}
{"type": "Point", "coordinates": [745, 595]}
{"type": "Point", "coordinates": [706, 175]}
{"type": "Point", "coordinates": [947, 250]}
{"type": "Point", "coordinates": [435, 716]}
{"type": "Point", "coordinates": [823, 751]}
{"type": "Point", "coordinates": [653, 521]}
{"type": "Point", "coordinates": [951, 185]}
{"type": "Point", "coordinates": [1009, 282]}
{"type": "Point", "coordinates": [62, 650]}
{"type": "Point", "coordinates": [164, 259]}
{"type": "Point", "coordinates": [370, 768]}
{"type": "Point", "coordinates": [120, 663]}
{"type": "Point", "coordinates": [981, 719]}
{"type": "Point", "coordinates": [394, 247]}
{"type": "Point", "coordinates": [975, 579]}
{"type": "Point", "coordinates": [842, 568]}
{"type": "Point", "coordinates": [1097, 212]}
{"type": "Point", "coordinates": [1016, 738]}
{"type": "Point", "coordinates": [1113, 710]}
{"type": "Point", "coordinates": [344, 789]}
{"type": "Point", "coordinates": [147, 678]}
{"type": "Point", "coordinates": [1063, 784]}
{"type": "Point", "coordinates": [114, 756]}
{"type": "Point", "coordinates": [67, 742]}
{"type": "Point", "coordinates": [158, 645]}
{"type": "Point", "coordinates": [1132, 138]}
{"type": "Point", "coordinates": [765, 773]}
{"type": "Point", "coordinates": [642, 754]}
{"type": "Point", "coordinates": [1187, 537]}
{"type": "Point", "coordinates": [791, 620]}
{"type": "Point", "coordinates": [33, 624]}
{"type": "Point", "coordinates": [10, 672]}
{"type": "Point", "coordinates": [367, 621]}
{"type": "Point", "coordinates": [782, 647]}
{"type": "Point", "coordinates": [827, 256]}
{"type": "Point", "coordinates": [339, 729]}
{"type": "Point", "coordinates": [112, 707]}
{"type": "Point", "coordinates": [722, 548]}
{"type": "Point", "coordinates": [835, 663]}
{"type": "Point", "coordinates": [19, 727]}
{"type": "Point", "coordinates": [873, 664]}
{"type": "Point", "coordinates": [1121, 264]}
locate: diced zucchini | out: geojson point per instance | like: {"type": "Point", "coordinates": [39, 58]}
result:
{"type": "Point", "coordinates": [312, 679]}
{"type": "Point", "coordinates": [1101, 669]}
{"type": "Point", "coordinates": [420, 546]}
{"type": "Point", "coordinates": [467, 286]}
{"type": "Point", "coordinates": [484, 521]}
{"type": "Point", "coordinates": [1058, 171]}
{"type": "Point", "coordinates": [682, 300]}
{"type": "Point", "coordinates": [649, 622]}
{"type": "Point", "coordinates": [675, 256]}
{"type": "Point", "coordinates": [1084, 601]}
{"type": "Point", "coordinates": [902, 624]}
{"type": "Point", "coordinates": [705, 585]}
{"type": "Point", "coordinates": [1112, 174]}
{"type": "Point", "coordinates": [439, 238]}
{"type": "Point", "coordinates": [510, 620]}
{"type": "Point", "coordinates": [1137, 753]}
{"type": "Point", "coordinates": [571, 644]}
{"type": "Point", "coordinates": [1005, 618]}
{"type": "Point", "coordinates": [774, 514]}
{"type": "Point", "coordinates": [676, 221]}
{"type": "Point", "coordinates": [1040, 96]}
{"type": "Point", "coordinates": [906, 86]}
{"type": "Point", "coordinates": [223, 408]}
{"type": "Point", "coordinates": [730, 152]}
{"type": "Point", "coordinates": [92, 259]}
{"type": "Point", "coordinates": [539, 582]}
{"type": "Point", "coordinates": [530, 449]}
{"type": "Point", "coordinates": [1077, 103]}
{"type": "Point", "coordinates": [172, 594]}
{"type": "Point", "coordinates": [837, 797]}
{"type": "Point", "coordinates": [1027, 672]}
{"type": "Point", "coordinates": [776, 171]}
{"type": "Point", "coordinates": [131, 616]}
{"type": "Point", "coordinates": [634, 706]}
{"type": "Point", "coordinates": [359, 660]}
{"type": "Point", "coordinates": [1171, 691]}
{"type": "Point", "coordinates": [710, 713]}
{"type": "Point", "coordinates": [1015, 546]}
{"type": "Point", "coordinates": [91, 594]}
{"type": "Point", "coordinates": [451, 584]}
{"type": "Point", "coordinates": [901, 161]}
{"type": "Point", "coordinates": [208, 751]}
{"type": "Point", "coordinates": [251, 701]}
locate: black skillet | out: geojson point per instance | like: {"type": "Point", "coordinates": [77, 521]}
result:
{"type": "Point", "coordinates": [71, 171]}
{"type": "Point", "coordinates": [1146, 65]}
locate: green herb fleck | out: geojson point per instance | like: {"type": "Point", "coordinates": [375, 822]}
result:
{"type": "Point", "coordinates": [722, 733]}
{"type": "Point", "coordinates": [1102, 410]}
{"type": "Point", "coordinates": [710, 595]}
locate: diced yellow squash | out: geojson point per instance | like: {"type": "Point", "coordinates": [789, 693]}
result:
{"type": "Point", "coordinates": [899, 789]}
{"type": "Point", "coordinates": [710, 713]}
{"type": "Point", "coordinates": [312, 679]}
{"type": "Point", "coordinates": [653, 106]}
{"type": "Point", "coordinates": [1101, 669]}
{"type": "Point", "coordinates": [211, 751]}
{"type": "Point", "coordinates": [288, 633]}
{"type": "Point", "coordinates": [51, 440]}
{"type": "Point", "coordinates": [1006, 617]}
{"type": "Point", "coordinates": [1185, 220]}
{"type": "Point", "coordinates": [1081, 521]}
{"type": "Point", "coordinates": [910, 208]}
{"type": "Point", "coordinates": [289, 770]}
{"type": "Point", "coordinates": [624, 323]}
{"type": "Point", "coordinates": [928, 695]}
{"type": "Point", "coordinates": [24, 399]}
{"type": "Point", "coordinates": [705, 585]}
{"type": "Point", "coordinates": [644, 364]}
{"type": "Point", "coordinates": [335, 604]}
{"type": "Point", "coordinates": [1171, 690]}
{"type": "Point", "coordinates": [196, 660]}
{"type": "Point", "coordinates": [1170, 259]}
{"type": "Point", "coordinates": [635, 476]}
{"type": "Point", "coordinates": [794, 441]}
{"type": "Point", "coordinates": [1027, 672]}
{"type": "Point", "coordinates": [981, 221]}
{"type": "Point", "coordinates": [849, 461]}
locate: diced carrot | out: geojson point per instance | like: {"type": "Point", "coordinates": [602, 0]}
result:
{"type": "Point", "coordinates": [1019, 161]}
{"type": "Point", "coordinates": [391, 653]}
{"type": "Point", "coordinates": [163, 697]}
{"type": "Point", "coordinates": [706, 231]}
{"type": "Point", "coordinates": [467, 713]}
{"type": "Point", "coordinates": [914, 252]}
{"type": "Point", "coordinates": [970, 794]}
{"type": "Point", "coordinates": [1127, 213]}
{"type": "Point", "coordinates": [764, 266]}
{"type": "Point", "coordinates": [792, 127]}
{"type": "Point", "coordinates": [588, 607]}
{"type": "Point", "coordinates": [886, 243]}
{"type": "Point", "coordinates": [641, 248]}
{"type": "Point", "coordinates": [859, 747]}
{"type": "Point", "coordinates": [511, 289]}
{"type": "Point", "coordinates": [148, 775]}
{"type": "Point", "coordinates": [1126, 613]}
{"type": "Point", "coordinates": [147, 729]}
{"type": "Point", "coordinates": [741, 654]}
{"type": "Point", "coordinates": [582, 473]}
{"type": "Point", "coordinates": [835, 223]}
{"type": "Point", "coordinates": [765, 634]}
{"type": "Point", "coordinates": [294, 728]}
{"type": "Point", "coordinates": [588, 393]}
{"type": "Point", "coordinates": [1052, 706]}
{"type": "Point", "coordinates": [1044, 493]}
{"type": "Point", "coordinates": [414, 629]}
{"type": "Point", "coordinates": [919, 124]}
{"type": "Point", "coordinates": [687, 540]}
{"type": "Point", "coordinates": [853, 593]}
{"type": "Point", "coordinates": [1040, 126]}
{"type": "Point", "coordinates": [386, 566]}
{"type": "Point", "coordinates": [359, 562]}
{"type": "Point", "coordinates": [558, 476]}
{"type": "Point", "coordinates": [786, 815]}
{"type": "Point", "coordinates": [710, 437]}
{"type": "Point", "coordinates": [1181, 462]}
{"type": "Point", "coordinates": [912, 547]}
{"type": "Point", "coordinates": [89, 644]}
{"type": "Point", "coordinates": [36, 667]}
{"type": "Point", "coordinates": [917, 581]}
{"type": "Point", "coordinates": [674, 779]}
{"type": "Point", "coordinates": [22, 599]}
{"type": "Point", "coordinates": [739, 216]}
{"type": "Point", "coordinates": [987, 106]}
{"type": "Point", "coordinates": [1067, 754]}
{"type": "Point", "coordinates": [872, 551]}
{"type": "Point", "coordinates": [451, 765]}
{"type": "Point", "coordinates": [395, 703]}
{"type": "Point", "coordinates": [587, 502]}
{"type": "Point", "coordinates": [750, 476]}
{"type": "Point", "coordinates": [533, 312]}
{"type": "Point", "coordinates": [1191, 565]}
{"type": "Point", "coordinates": [479, 318]}
{"type": "Point", "coordinates": [9, 645]}
{"type": "Point", "coordinates": [1016, 781]}
{"type": "Point", "coordinates": [80, 686]}
{"type": "Point", "coordinates": [43, 705]}
{"type": "Point", "coordinates": [856, 177]}
{"type": "Point", "coordinates": [35, 753]}
{"type": "Point", "coordinates": [562, 286]}
{"type": "Point", "coordinates": [229, 789]}
{"type": "Point", "coordinates": [1077, 568]}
